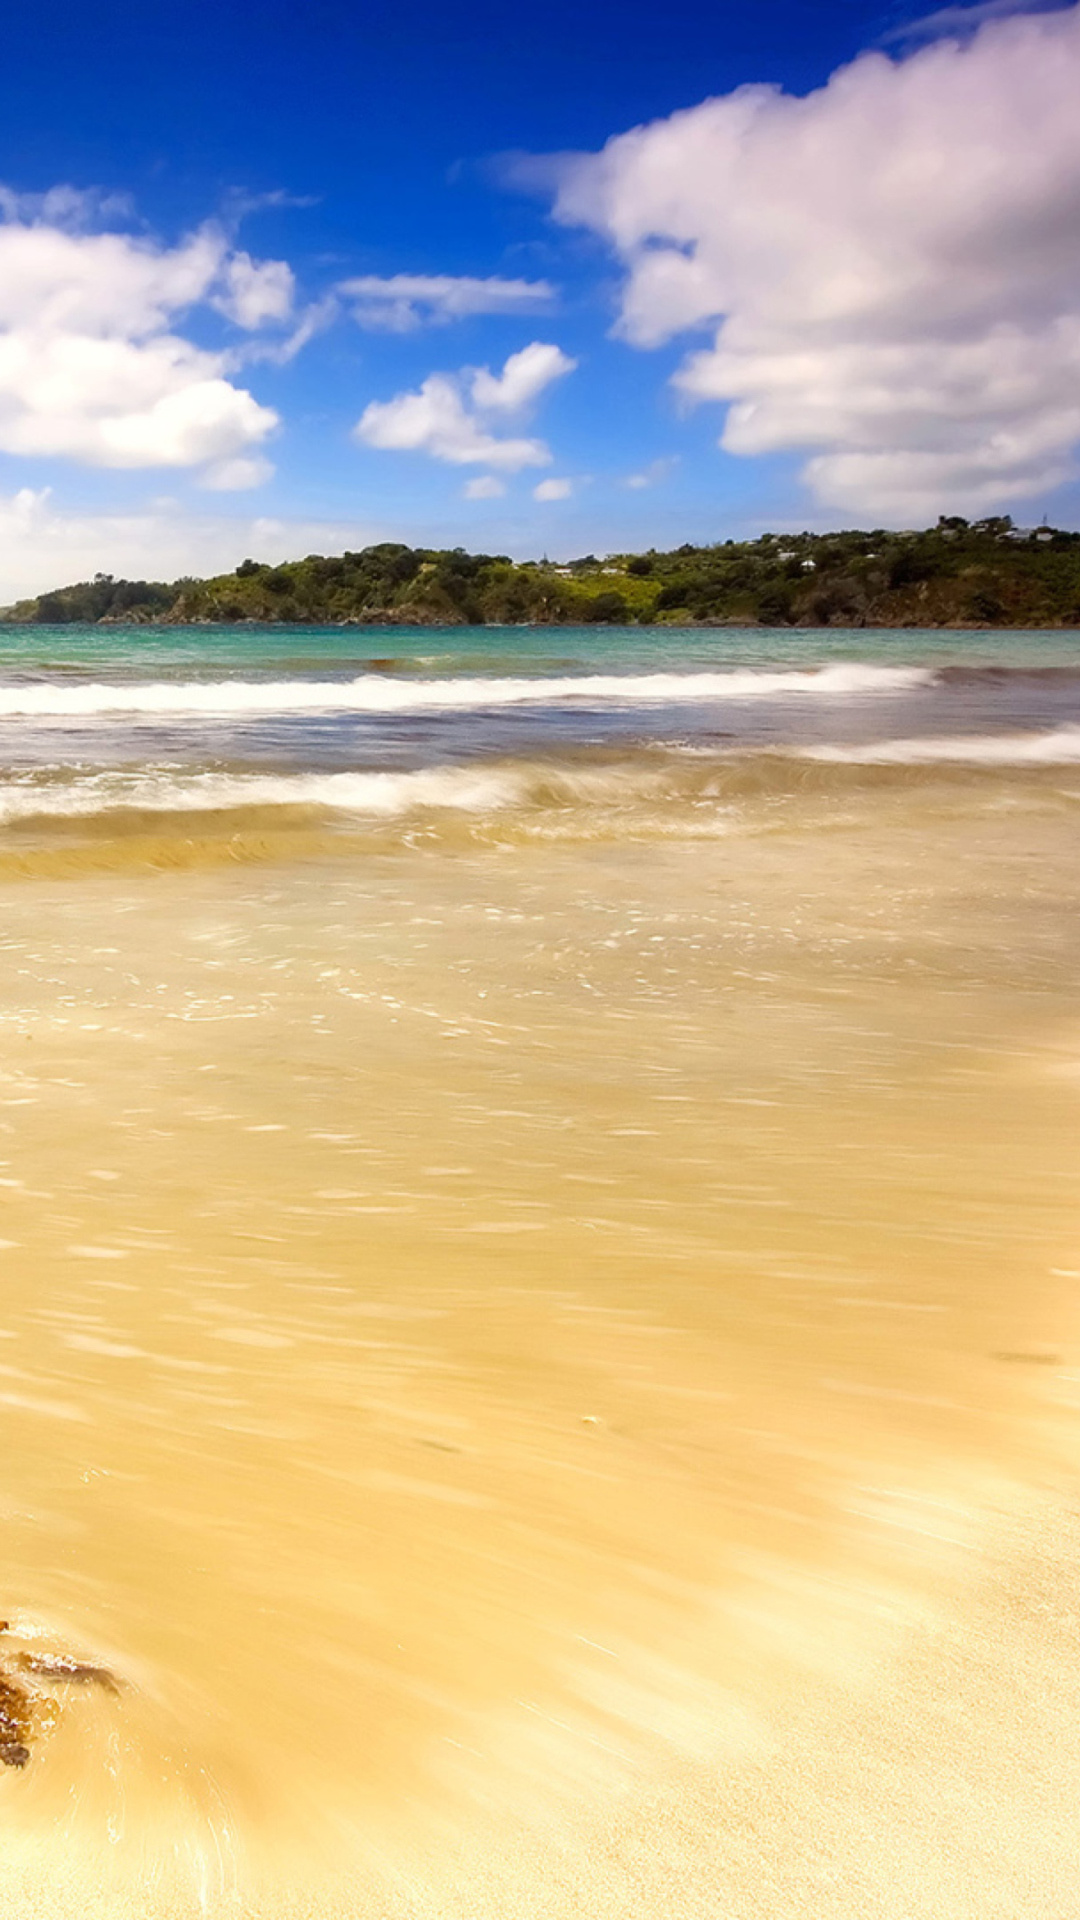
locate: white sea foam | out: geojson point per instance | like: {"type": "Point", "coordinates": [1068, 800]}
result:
{"type": "Point", "coordinates": [374, 693]}
{"type": "Point", "coordinates": [689, 776]}
{"type": "Point", "coordinates": [381, 795]}
{"type": "Point", "coordinates": [1059, 747]}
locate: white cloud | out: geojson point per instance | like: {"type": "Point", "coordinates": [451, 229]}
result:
{"type": "Point", "coordinates": [255, 292]}
{"type": "Point", "coordinates": [240, 201]}
{"type": "Point", "coordinates": [437, 421]}
{"type": "Point", "coordinates": [888, 266]}
{"type": "Point", "coordinates": [44, 546]}
{"type": "Point", "coordinates": [237, 475]}
{"type": "Point", "coordinates": [652, 475]}
{"type": "Point", "coordinates": [953, 22]}
{"type": "Point", "coordinates": [553, 490]}
{"type": "Point", "coordinates": [69, 207]}
{"type": "Point", "coordinates": [400, 302]}
{"type": "Point", "coordinates": [447, 417]}
{"type": "Point", "coordinates": [91, 365]}
{"type": "Point", "coordinates": [485, 487]}
{"type": "Point", "coordinates": [279, 351]}
{"type": "Point", "coordinates": [523, 378]}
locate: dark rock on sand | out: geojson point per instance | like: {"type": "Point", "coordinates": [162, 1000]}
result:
{"type": "Point", "coordinates": [18, 1702]}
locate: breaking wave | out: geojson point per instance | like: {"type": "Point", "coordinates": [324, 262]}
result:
{"type": "Point", "coordinates": [375, 693]}
{"type": "Point", "coordinates": [379, 795]}
{"type": "Point", "coordinates": [681, 780]}
{"type": "Point", "coordinates": [1058, 747]}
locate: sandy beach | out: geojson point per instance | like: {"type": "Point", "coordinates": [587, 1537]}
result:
{"type": "Point", "coordinates": [546, 1369]}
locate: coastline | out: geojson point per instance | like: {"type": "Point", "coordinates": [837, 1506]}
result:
{"type": "Point", "coordinates": [956, 576]}
{"type": "Point", "coordinates": [410, 620]}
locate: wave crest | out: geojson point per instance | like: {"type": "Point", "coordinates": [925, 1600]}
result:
{"type": "Point", "coordinates": [1059, 747]}
{"type": "Point", "coordinates": [373, 693]}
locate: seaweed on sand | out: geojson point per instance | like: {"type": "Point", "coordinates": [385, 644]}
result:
{"type": "Point", "coordinates": [20, 1718]}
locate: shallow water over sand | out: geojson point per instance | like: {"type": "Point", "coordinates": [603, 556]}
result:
{"type": "Point", "coordinates": [491, 1333]}
{"type": "Point", "coordinates": [538, 1272]}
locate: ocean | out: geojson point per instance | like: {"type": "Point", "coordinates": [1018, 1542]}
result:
{"type": "Point", "coordinates": [538, 1345]}
{"type": "Point", "coordinates": [120, 736]}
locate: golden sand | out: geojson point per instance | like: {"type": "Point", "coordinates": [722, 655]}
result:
{"type": "Point", "coordinates": [547, 1372]}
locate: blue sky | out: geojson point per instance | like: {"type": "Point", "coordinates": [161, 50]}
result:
{"type": "Point", "coordinates": [845, 278]}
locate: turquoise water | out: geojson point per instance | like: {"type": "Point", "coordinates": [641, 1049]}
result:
{"type": "Point", "coordinates": [110, 727]}
{"type": "Point", "coordinates": [494, 649]}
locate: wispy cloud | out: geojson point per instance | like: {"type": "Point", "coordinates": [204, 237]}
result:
{"type": "Point", "coordinates": [71, 209]}
{"type": "Point", "coordinates": [239, 202]}
{"type": "Point", "coordinates": [401, 302]}
{"type": "Point", "coordinates": [652, 475]}
{"type": "Point", "coordinates": [278, 352]}
{"type": "Point", "coordinates": [486, 486]}
{"type": "Point", "coordinates": [44, 544]}
{"type": "Point", "coordinates": [955, 22]}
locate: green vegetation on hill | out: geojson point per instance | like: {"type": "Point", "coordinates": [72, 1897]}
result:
{"type": "Point", "coordinates": [986, 573]}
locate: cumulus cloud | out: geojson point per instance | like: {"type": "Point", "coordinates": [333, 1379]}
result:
{"type": "Point", "coordinates": [437, 421]}
{"type": "Point", "coordinates": [887, 266]}
{"type": "Point", "coordinates": [92, 366]}
{"type": "Point", "coordinates": [43, 545]}
{"type": "Point", "coordinates": [449, 417]}
{"type": "Point", "coordinates": [523, 378]}
{"type": "Point", "coordinates": [486, 486]}
{"type": "Point", "coordinates": [553, 490]}
{"type": "Point", "coordinates": [255, 292]}
{"type": "Point", "coordinates": [400, 302]}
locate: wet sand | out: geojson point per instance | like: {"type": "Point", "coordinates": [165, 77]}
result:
{"type": "Point", "coordinates": [549, 1374]}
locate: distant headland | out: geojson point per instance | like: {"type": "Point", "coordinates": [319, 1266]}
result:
{"type": "Point", "coordinates": [983, 573]}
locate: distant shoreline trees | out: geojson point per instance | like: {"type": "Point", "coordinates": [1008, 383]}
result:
{"type": "Point", "coordinates": [985, 573]}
